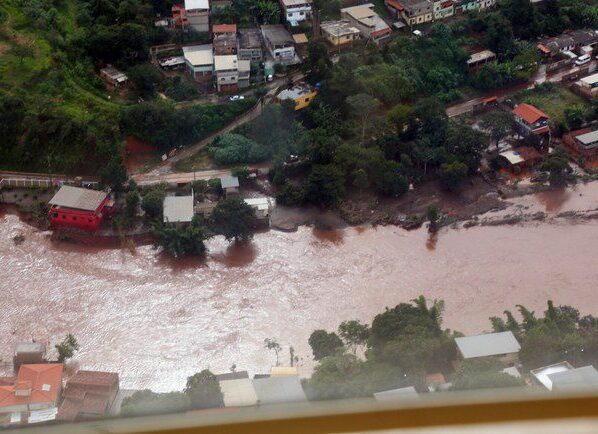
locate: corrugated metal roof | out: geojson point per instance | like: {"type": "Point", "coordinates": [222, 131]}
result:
{"type": "Point", "coordinates": [228, 181]}
{"type": "Point", "coordinates": [588, 138]}
{"type": "Point", "coordinates": [276, 390]}
{"type": "Point", "coordinates": [78, 198]}
{"type": "Point", "coordinates": [490, 344]}
{"type": "Point", "coordinates": [197, 4]}
{"type": "Point", "coordinates": [199, 54]}
{"type": "Point", "coordinates": [238, 393]}
{"type": "Point", "coordinates": [390, 395]}
{"type": "Point", "coordinates": [585, 377]}
{"type": "Point", "coordinates": [178, 209]}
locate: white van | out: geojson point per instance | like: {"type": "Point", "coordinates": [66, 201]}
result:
{"type": "Point", "coordinates": [583, 59]}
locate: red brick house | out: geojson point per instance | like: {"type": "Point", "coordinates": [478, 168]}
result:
{"type": "Point", "coordinates": [82, 208]}
{"type": "Point", "coordinates": [88, 395]}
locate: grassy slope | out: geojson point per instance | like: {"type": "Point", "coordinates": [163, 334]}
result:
{"type": "Point", "coordinates": [553, 102]}
{"type": "Point", "coordinates": [74, 92]}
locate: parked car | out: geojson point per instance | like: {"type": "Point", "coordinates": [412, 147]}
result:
{"type": "Point", "coordinates": [581, 60]}
{"type": "Point", "coordinates": [236, 98]}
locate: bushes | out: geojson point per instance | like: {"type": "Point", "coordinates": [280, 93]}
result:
{"type": "Point", "coordinates": [237, 149]}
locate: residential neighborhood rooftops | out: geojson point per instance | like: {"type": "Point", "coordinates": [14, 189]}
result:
{"type": "Point", "coordinates": [542, 375]}
{"type": "Point", "coordinates": [391, 395]}
{"type": "Point", "coordinates": [224, 28]}
{"type": "Point", "coordinates": [274, 390]}
{"type": "Point", "coordinates": [238, 393]}
{"type": "Point", "coordinates": [178, 209]}
{"type": "Point", "coordinates": [339, 28]}
{"type": "Point", "coordinates": [585, 377]}
{"type": "Point", "coordinates": [225, 62]}
{"type": "Point", "coordinates": [199, 54]}
{"type": "Point", "coordinates": [420, 5]}
{"type": "Point", "coordinates": [277, 34]}
{"type": "Point", "coordinates": [229, 181]}
{"type": "Point", "coordinates": [570, 39]}
{"type": "Point", "coordinates": [224, 42]}
{"type": "Point", "coordinates": [35, 384]}
{"type": "Point", "coordinates": [366, 15]}
{"type": "Point", "coordinates": [78, 198]}
{"type": "Point", "coordinates": [490, 344]}
{"type": "Point", "coordinates": [197, 4]}
{"type": "Point", "coordinates": [529, 113]}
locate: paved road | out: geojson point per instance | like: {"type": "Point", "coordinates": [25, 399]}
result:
{"type": "Point", "coordinates": [540, 77]}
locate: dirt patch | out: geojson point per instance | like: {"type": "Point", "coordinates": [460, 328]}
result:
{"type": "Point", "coordinates": [4, 48]}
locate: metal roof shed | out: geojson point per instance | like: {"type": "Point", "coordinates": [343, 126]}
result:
{"type": "Point", "coordinates": [491, 344]}
{"type": "Point", "coordinates": [401, 393]}
{"type": "Point", "coordinates": [275, 390]}
{"type": "Point", "coordinates": [585, 377]}
{"type": "Point", "coordinates": [178, 209]}
{"type": "Point", "coordinates": [229, 181]}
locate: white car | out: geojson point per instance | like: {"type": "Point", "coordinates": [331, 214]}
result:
{"type": "Point", "coordinates": [236, 98]}
{"type": "Point", "coordinates": [583, 59]}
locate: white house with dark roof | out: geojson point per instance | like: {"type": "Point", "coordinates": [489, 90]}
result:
{"type": "Point", "coordinates": [503, 346]}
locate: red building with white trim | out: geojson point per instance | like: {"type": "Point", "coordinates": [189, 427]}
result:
{"type": "Point", "coordinates": [82, 208]}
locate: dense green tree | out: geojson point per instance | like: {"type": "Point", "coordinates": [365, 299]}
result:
{"type": "Point", "coordinates": [145, 78]}
{"type": "Point", "coordinates": [132, 202]}
{"type": "Point", "coordinates": [390, 179]}
{"type": "Point", "coordinates": [325, 185]}
{"type": "Point", "coordinates": [233, 218]}
{"type": "Point", "coordinates": [324, 344]}
{"type": "Point", "coordinates": [146, 403]}
{"type": "Point", "coordinates": [452, 175]}
{"type": "Point", "coordinates": [499, 35]}
{"type": "Point", "coordinates": [268, 12]}
{"type": "Point", "coordinates": [66, 349]}
{"type": "Point", "coordinates": [432, 215]}
{"type": "Point", "coordinates": [363, 106]}
{"type": "Point", "coordinates": [180, 240]}
{"type": "Point", "coordinates": [398, 116]}
{"type": "Point", "coordinates": [575, 116]}
{"type": "Point", "coordinates": [556, 165]}
{"type": "Point", "coordinates": [204, 391]}
{"type": "Point", "coordinates": [483, 374]}
{"type": "Point", "coordinates": [499, 124]}
{"type": "Point", "coordinates": [152, 201]}
{"type": "Point", "coordinates": [318, 62]}
{"type": "Point", "coordinates": [114, 174]}
{"type": "Point", "coordinates": [353, 333]}
{"type": "Point", "coordinates": [360, 179]}
{"type": "Point", "coordinates": [233, 148]}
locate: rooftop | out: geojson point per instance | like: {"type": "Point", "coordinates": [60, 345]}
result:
{"type": "Point", "coordinates": [481, 56]}
{"type": "Point", "coordinates": [339, 28]}
{"type": "Point", "coordinates": [114, 73]}
{"type": "Point", "coordinates": [42, 381]}
{"type": "Point", "coordinates": [295, 91]}
{"type": "Point", "coordinates": [542, 374]}
{"type": "Point", "coordinates": [366, 15]}
{"type": "Point", "coordinates": [585, 377]}
{"type": "Point", "coordinates": [224, 42]}
{"type": "Point", "coordinates": [197, 4]}
{"type": "Point", "coordinates": [178, 209]}
{"type": "Point", "coordinates": [238, 393]}
{"type": "Point", "coordinates": [590, 79]}
{"type": "Point", "coordinates": [199, 54]}
{"type": "Point", "coordinates": [390, 395]}
{"type": "Point", "coordinates": [588, 139]}
{"type": "Point", "coordinates": [300, 38]}
{"type": "Point", "coordinates": [224, 28]}
{"type": "Point", "coordinates": [30, 347]}
{"type": "Point", "coordinates": [422, 5]}
{"type": "Point", "coordinates": [529, 113]}
{"type": "Point", "coordinates": [232, 375]}
{"type": "Point", "coordinates": [276, 390]}
{"type": "Point", "coordinates": [250, 38]}
{"type": "Point", "coordinates": [277, 34]}
{"type": "Point", "coordinates": [279, 371]}
{"type": "Point", "coordinates": [88, 392]}
{"type": "Point", "coordinates": [228, 181]}
{"type": "Point", "coordinates": [291, 3]}
{"type": "Point", "coordinates": [78, 198]}
{"type": "Point", "coordinates": [225, 62]}
{"type": "Point", "coordinates": [490, 344]}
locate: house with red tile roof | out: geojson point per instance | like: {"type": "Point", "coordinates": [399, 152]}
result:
{"type": "Point", "coordinates": [531, 119]}
{"type": "Point", "coordinates": [219, 29]}
{"type": "Point", "coordinates": [88, 395]}
{"type": "Point", "coordinates": [36, 387]}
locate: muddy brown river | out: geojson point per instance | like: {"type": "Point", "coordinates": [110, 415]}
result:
{"type": "Point", "coordinates": [156, 321]}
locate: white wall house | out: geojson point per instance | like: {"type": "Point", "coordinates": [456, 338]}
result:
{"type": "Point", "coordinates": [296, 11]}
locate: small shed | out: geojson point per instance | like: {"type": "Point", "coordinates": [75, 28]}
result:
{"type": "Point", "coordinates": [113, 76]}
{"type": "Point", "coordinates": [502, 345]}
{"type": "Point", "coordinates": [178, 209]}
{"type": "Point", "coordinates": [229, 184]}
{"type": "Point", "coordinates": [584, 378]}
{"type": "Point", "coordinates": [543, 375]}
{"type": "Point", "coordinates": [27, 353]}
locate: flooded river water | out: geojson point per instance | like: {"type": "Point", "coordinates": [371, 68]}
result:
{"type": "Point", "coordinates": [156, 321]}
